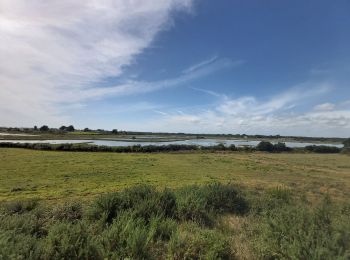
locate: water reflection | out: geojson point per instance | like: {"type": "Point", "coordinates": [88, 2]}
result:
{"type": "Point", "coordinates": [200, 142]}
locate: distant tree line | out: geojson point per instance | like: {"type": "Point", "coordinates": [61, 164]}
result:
{"type": "Point", "coordinates": [46, 128]}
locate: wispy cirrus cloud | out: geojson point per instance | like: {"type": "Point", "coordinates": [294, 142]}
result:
{"type": "Point", "coordinates": [201, 64]}
{"type": "Point", "coordinates": [140, 87]}
{"type": "Point", "coordinates": [56, 51]}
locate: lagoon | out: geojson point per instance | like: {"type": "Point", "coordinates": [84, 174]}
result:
{"type": "Point", "coordinates": [199, 142]}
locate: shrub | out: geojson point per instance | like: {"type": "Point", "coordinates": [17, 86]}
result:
{"type": "Point", "coordinates": [192, 205]}
{"type": "Point", "coordinates": [18, 246]}
{"type": "Point", "coordinates": [70, 241]}
{"type": "Point", "coordinates": [281, 147]}
{"type": "Point", "coordinates": [192, 242]}
{"type": "Point", "coordinates": [272, 199]}
{"type": "Point", "coordinates": [127, 237]}
{"type": "Point", "coordinates": [143, 200]}
{"type": "Point", "coordinates": [161, 228]}
{"type": "Point", "coordinates": [346, 143]}
{"type": "Point", "coordinates": [224, 198]}
{"type": "Point", "coordinates": [297, 232]}
{"type": "Point", "coordinates": [105, 208]}
{"type": "Point", "coordinates": [28, 224]}
{"type": "Point", "coordinates": [198, 203]}
{"type": "Point", "coordinates": [322, 149]}
{"type": "Point", "coordinates": [19, 207]}
{"type": "Point", "coordinates": [68, 211]}
{"type": "Point", "coordinates": [269, 147]}
{"type": "Point", "coordinates": [265, 146]}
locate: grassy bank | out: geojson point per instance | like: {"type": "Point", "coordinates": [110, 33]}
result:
{"type": "Point", "coordinates": [62, 175]}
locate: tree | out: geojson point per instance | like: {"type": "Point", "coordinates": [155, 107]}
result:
{"type": "Point", "coordinates": [115, 131]}
{"type": "Point", "coordinates": [265, 146]}
{"type": "Point", "coordinates": [63, 128]}
{"type": "Point", "coordinates": [70, 128]}
{"type": "Point", "coordinates": [35, 128]}
{"type": "Point", "coordinates": [44, 128]}
{"type": "Point", "coordinates": [346, 143]}
{"type": "Point", "coordinates": [86, 129]}
{"type": "Point", "coordinates": [280, 147]}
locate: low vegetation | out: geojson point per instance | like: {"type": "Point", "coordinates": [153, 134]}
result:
{"type": "Point", "coordinates": [193, 222]}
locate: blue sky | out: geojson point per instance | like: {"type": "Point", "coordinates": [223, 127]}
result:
{"type": "Point", "coordinates": [256, 67]}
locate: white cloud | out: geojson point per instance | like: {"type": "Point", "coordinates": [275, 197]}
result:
{"type": "Point", "coordinates": [200, 64]}
{"type": "Point", "coordinates": [324, 107]}
{"type": "Point", "coordinates": [273, 116]}
{"type": "Point", "coordinates": [53, 52]}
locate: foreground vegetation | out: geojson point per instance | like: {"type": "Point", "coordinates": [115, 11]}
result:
{"type": "Point", "coordinates": [213, 221]}
{"type": "Point", "coordinates": [193, 205]}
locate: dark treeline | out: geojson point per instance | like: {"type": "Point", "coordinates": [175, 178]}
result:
{"type": "Point", "coordinates": [83, 147]}
{"type": "Point", "coordinates": [71, 128]}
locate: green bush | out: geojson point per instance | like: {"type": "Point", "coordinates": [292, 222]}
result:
{"type": "Point", "coordinates": [161, 228]}
{"type": "Point", "coordinates": [322, 149]}
{"type": "Point", "coordinates": [199, 203]}
{"type": "Point", "coordinates": [105, 208]}
{"type": "Point", "coordinates": [192, 205]}
{"type": "Point", "coordinates": [222, 198]}
{"type": "Point", "coordinates": [19, 246]}
{"type": "Point", "coordinates": [70, 241]}
{"type": "Point", "coordinates": [68, 211]}
{"type": "Point", "coordinates": [143, 200]}
{"type": "Point", "coordinates": [298, 232]}
{"type": "Point", "coordinates": [20, 236]}
{"type": "Point", "coordinates": [19, 207]}
{"type": "Point", "coordinates": [126, 237]}
{"type": "Point", "coordinates": [27, 224]}
{"type": "Point", "coordinates": [265, 146]}
{"type": "Point", "coordinates": [193, 242]}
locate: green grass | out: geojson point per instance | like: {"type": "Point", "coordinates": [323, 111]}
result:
{"type": "Point", "coordinates": [280, 206]}
{"type": "Point", "coordinates": [62, 175]}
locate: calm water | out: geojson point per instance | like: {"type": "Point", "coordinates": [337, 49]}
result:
{"type": "Point", "coordinates": [201, 142]}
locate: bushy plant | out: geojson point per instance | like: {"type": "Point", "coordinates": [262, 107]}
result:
{"type": "Point", "coordinates": [322, 149]}
{"type": "Point", "coordinates": [105, 208]}
{"type": "Point", "coordinates": [192, 205]}
{"type": "Point", "coordinates": [193, 242]}
{"type": "Point", "coordinates": [143, 200]}
{"type": "Point", "coordinates": [199, 203]}
{"type": "Point", "coordinates": [161, 228]}
{"type": "Point", "coordinates": [70, 241]}
{"type": "Point", "coordinates": [224, 198]}
{"type": "Point", "coordinates": [265, 146]}
{"type": "Point", "coordinates": [19, 246]}
{"type": "Point", "coordinates": [19, 207]}
{"type": "Point", "coordinates": [298, 232]}
{"type": "Point", "coordinates": [68, 211]}
{"type": "Point", "coordinates": [28, 224]}
{"type": "Point", "coordinates": [126, 237]}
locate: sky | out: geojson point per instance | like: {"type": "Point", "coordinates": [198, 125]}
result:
{"type": "Point", "coordinates": [194, 66]}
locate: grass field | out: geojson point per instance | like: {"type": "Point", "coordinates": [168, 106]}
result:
{"type": "Point", "coordinates": [69, 175]}
{"type": "Point", "coordinates": [274, 208]}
